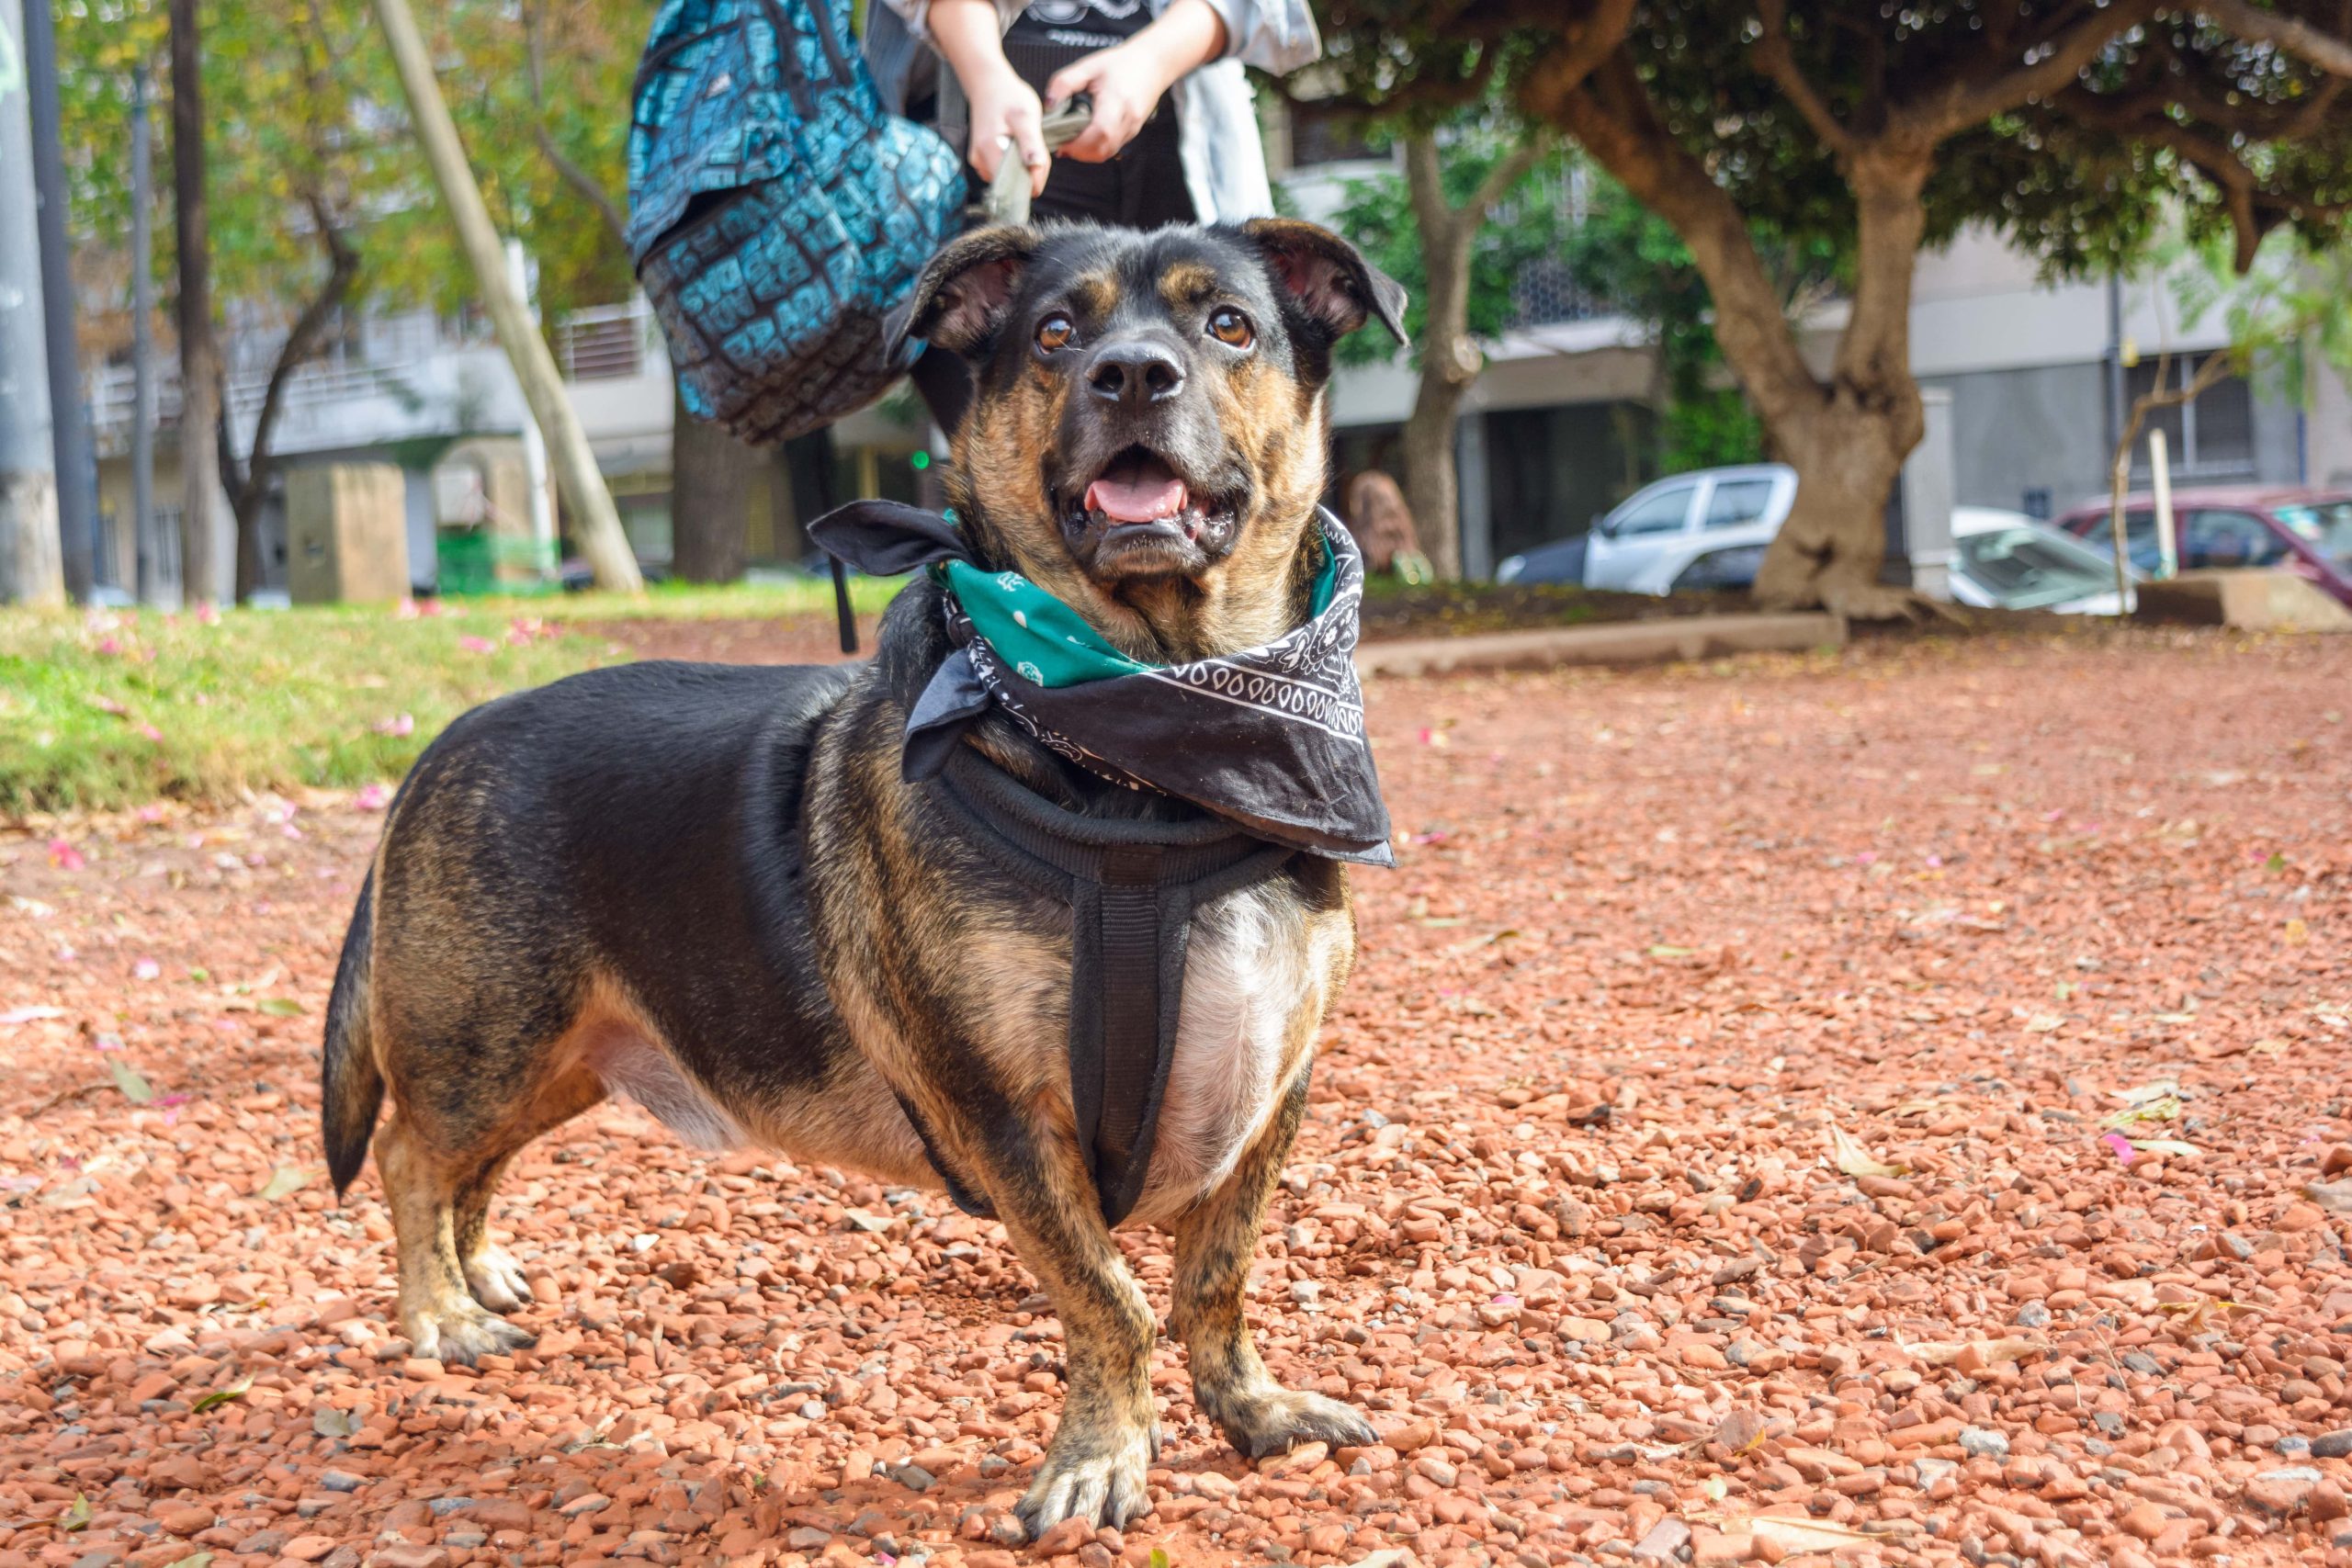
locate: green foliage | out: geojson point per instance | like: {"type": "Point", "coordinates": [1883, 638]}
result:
{"type": "Point", "coordinates": [2293, 301]}
{"type": "Point", "coordinates": [1529, 222]}
{"type": "Point", "coordinates": [304, 115]}
{"type": "Point", "coordinates": [111, 708]}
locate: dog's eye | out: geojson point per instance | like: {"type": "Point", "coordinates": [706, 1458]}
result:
{"type": "Point", "coordinates": [1055, 332]}
{"type": "Point", "coordinates": [1230, 327]}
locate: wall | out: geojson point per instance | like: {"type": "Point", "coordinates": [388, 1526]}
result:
{"type": "Point", "coordinates": [2014, 430]}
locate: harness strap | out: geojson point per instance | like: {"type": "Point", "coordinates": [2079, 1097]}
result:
{"type": "Point", "coordinates": [1131, 887]}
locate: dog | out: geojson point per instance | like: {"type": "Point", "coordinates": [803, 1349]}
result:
{"type": "Point", "coordinates": [710, 889]}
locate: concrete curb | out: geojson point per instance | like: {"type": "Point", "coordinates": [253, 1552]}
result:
{"type": "Point", "coordinates": [1622, 642]}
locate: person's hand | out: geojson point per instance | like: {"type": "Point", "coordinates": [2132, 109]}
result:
{"type": "Point", "coordinates": [1005, 112]}
{"type": "Point", "coordinates": [1126, 83]}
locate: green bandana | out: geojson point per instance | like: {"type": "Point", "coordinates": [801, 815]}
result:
{"type": "Point", "coordinates": [1045, 641]}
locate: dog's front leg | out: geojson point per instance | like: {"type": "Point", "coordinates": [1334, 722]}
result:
{"type": "Point", "coordinates": [1094, 1467]}
{"type": "Point", "coordinates": [1216, 1242]}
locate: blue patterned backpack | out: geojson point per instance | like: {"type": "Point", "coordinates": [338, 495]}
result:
{"type": "Point", "coordinates": [777, 212]}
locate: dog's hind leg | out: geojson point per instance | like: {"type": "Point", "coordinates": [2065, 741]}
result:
{"type": "Point", "coordinates": [491, 1274]}
{"type": "Point", "coordinates": [1215, 1242]}
{"type": "Point", "coordinates": [423, 1180]}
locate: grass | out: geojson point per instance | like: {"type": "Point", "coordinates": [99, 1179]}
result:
{"type": "Point", "coordinates": [112, 708]}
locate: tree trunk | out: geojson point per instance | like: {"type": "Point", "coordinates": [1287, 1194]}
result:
{"type": "Point", "coordinates": [199, 358]}
{"type": "Point", "coordinates": [1847, 438]}
{"type": "Point", "coordinates": [249, 480]}
{"type": "Point", "coordinates": [1450, 359]}
{"type": "Point", "coordinates": [710, 475]}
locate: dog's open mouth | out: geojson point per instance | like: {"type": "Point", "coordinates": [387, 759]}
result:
{"type": "Point", "coordinates": [1140, 498]}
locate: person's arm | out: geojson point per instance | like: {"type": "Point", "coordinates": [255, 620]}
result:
{"type": "Point", "coordinates": [1126, 81]}
{"type": "Point", "coordinates": [969, 36]}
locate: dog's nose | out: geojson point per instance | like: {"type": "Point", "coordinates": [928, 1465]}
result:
{"type": "Point", "coordinates": [1135, 374]}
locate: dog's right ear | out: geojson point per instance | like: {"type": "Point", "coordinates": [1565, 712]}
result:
{"type": "Point", "coordinates": [961, 297]}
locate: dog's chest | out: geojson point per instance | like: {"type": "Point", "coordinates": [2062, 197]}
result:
{"type": "Point", "coordinates": [1253, 981]}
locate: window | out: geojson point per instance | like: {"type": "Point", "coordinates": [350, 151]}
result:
{"type": "Point", "coordinates": [2211, 437]}
{"type": "Point", "coordinates": [1721, 569]}
{"type": "Point", "coordinates": [2024, 568]}
{"type": "Point", "coordinates": [1738, 501]}
{"type": "Point", "coordinates": [2325, 524]}
{"type": "Point", "coordinates": [1662, 511]}
{"type": "Point", "coordinates": [2220, 539]}
{"type": "Point", "coordinates": [1329, 132]}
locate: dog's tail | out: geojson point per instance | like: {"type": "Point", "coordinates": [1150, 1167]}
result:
{"type": "Point", "coordinates": [353, 1087]}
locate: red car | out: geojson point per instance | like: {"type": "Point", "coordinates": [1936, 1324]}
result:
{"type": "Point", "coordinates": [2307, 532]}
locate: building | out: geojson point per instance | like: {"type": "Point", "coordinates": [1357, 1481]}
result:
{"type": "Point", "coordinates": [1556, 430]}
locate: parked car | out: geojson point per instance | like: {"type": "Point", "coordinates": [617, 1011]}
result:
{"type": "Point", "coordinates": [1706, 529]}
{"type": "Point", "coordinates": [2308, 532]}
{"type": "Point", "coordinates": [2006, 560]}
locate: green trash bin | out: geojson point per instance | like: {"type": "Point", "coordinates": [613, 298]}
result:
{"type": "Point", "coordinates": [472, 561]}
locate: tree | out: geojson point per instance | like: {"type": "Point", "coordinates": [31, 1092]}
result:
{"type": "Point", "coordinates": [199, 359]}
{"type": "Point", "coordinates": [1432, 232]}
{"type": "Point", "coordinates": [2068, 124]}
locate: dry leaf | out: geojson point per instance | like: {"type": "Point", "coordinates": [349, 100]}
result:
{"type": "Point", "coordinates": [285, 1179]}
{"type": "Point", "coordinates": [2163, 1146]}
{"type": "Point", "coordinates": [2297, 932]}
{"type": "Point", "coordinates": [1808, 1535]}
{"type": "Point", "coordinates": [223, 1395]}
{"type": "Point", "coordinates": [78, 1517]}
{"type": "Point", "coordinates": [281, 1006]}
{"type": "Point", "coordinates": [334, 1423]}
{"type": "Point", "coordinates": [1851, 1157]}
{"type": "Point", "coordinates": [1991, 1352]}
{"type": "Point", "coordinates": [126, 1079]}
{"type": "Point", "coordinates": [2335, 1196]}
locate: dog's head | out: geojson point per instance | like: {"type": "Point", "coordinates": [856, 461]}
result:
{"type": "Point", "coordinates": [1148, 435]}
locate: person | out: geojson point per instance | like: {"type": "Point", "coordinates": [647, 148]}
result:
{"type": "Point", "coordinates": [1173, 138]}
{"type": "Point", "coordinates": [1376, 513]}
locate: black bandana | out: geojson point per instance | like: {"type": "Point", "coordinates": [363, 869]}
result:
{"type": "Point", "coordinates": [1270, 738]}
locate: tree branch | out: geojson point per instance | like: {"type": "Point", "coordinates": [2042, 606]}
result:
{"type": "Point", "coordinates": [583, 183]}
{"type": "Point", "coordinates": [1612, 118]}
{"type": "Point", "coordinates": [1507, 172]}
{"type": "Point", "coordinates": [1969, 103]}
{"type": "Point", "coordinates": [2286, 33]}
{"type": "Point", "coordinates": [1582, 49]}
{"type": "Point", "coordinates": [250, 482]}
{"type": "Point", "coordinates": [1778, 63]}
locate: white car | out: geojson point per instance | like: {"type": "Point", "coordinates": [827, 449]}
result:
{"type": "Point", "coordinates": [1709, 529]}
{"type": "Point", "coordinates": [2006, 560]}
{"type": "Point", "coordinates": [1698, 530]}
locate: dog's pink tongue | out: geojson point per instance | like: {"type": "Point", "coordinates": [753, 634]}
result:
{"type": "Point", "coordinates": [1143, 490]}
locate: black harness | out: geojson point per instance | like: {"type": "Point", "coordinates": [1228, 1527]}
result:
{"type": "Point", "coordinates": [1131, 887]}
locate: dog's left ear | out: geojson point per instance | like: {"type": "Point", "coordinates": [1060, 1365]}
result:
{"type": "Point", "coordinates": [961, 297]}
{"type": "Point", "coordinates": [1327, 278]}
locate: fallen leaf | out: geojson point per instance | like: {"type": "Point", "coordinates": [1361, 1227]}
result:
{"type": "Point", "coordinates": [1852, 1158]}
{"type": "Point", "coordinates": [1993, 1352]}
{"type": "Point", "coordinates": [281, 1006]}
{"type": "Point", "coordinates": [1740, 1431]}
{"type": "Point", "coordinates": [865, 1222]}
{"type": "Point", "coordinates": [126, 1079]}
{"type": "Point", "coordinates": [2334, 1196]}
{"type": "Point", "coordinates": [2297, 933]}
{"type": "Point", "coordinates": [193, 1560]}
{"type": "Point", "coordinates": [287, 1179]}
{"type": "Point", "coordinates": [2163, 1146]}
{"type": "Point", "coordinates": [1666, 950]}
{"type": "Point", "coordinates": [77, 1517]}
{"type": "Point", "coordinates": [2163, 1107]}
{"type": "Point", "coordinates": [2044, 1023]}
{"type": "Point", "coordinates": [1807, 1535]}
{"type": "Point", "coordinates": [334, 1423]}
{"type": "Point", "coordinates": [220, 1396]}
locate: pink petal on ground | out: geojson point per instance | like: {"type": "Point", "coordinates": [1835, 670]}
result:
{"type": "Point", "coordinates": [2121, 1145]}
{"type": "Point", "coordinates": [472, 644]}
{"type": "Point", "coordinates": [372, 797]}
{"type": "Point", "coordinates": [65, 856]}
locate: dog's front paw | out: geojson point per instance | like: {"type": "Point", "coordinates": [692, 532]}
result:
{"type": "Point", "coordinates": [464, 1334]}
{"type": "Point", "coordinates": [1274, 1420]}
{"type": "Point", "coordinates": [1096, 1476]}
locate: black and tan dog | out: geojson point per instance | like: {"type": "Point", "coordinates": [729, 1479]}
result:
{"type": "Point", "coordinates": [710, 887]}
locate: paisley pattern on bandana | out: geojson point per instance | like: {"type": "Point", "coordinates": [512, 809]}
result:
{"type": "Point", "coordinates": [1270, 737]}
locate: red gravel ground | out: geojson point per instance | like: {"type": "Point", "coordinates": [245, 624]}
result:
{"type": "Point", "coordinates": [1567, 1216]}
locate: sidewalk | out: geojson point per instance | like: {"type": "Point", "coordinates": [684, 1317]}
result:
{"type": "Point", "coordinates": [1620, 642]}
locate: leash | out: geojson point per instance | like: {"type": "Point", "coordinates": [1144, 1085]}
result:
{"type": "Point", "coordinates": [1131, 887]}
{"type": "Point", "coordinates": [1007, 202]}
